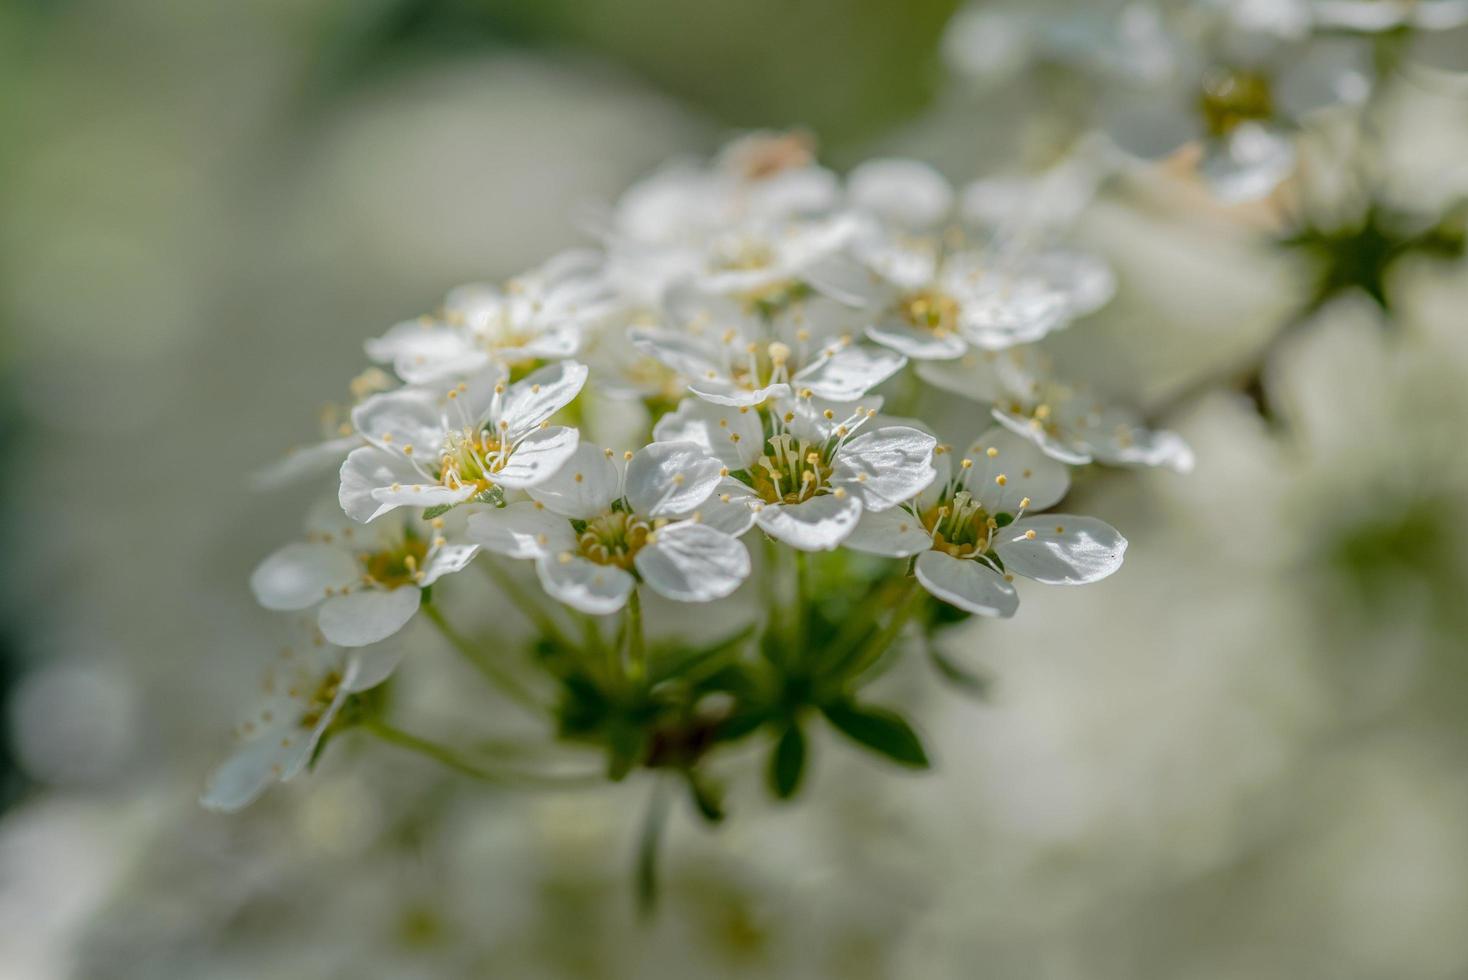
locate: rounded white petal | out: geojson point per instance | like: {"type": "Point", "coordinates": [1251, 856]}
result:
{"type": "Point", "coordinates": [920, 345]}
{"type": "Point", "coordinates": [1026, 470]}
{"type": "Point", "coordinates": [1062, 550]}
{"type": "Point", "coordinates": [447, 559]}
{"type": "Point", "coordinates": [1248, 165]}
{"type": "Point", "coordinates": [1056, 447]}
{"type": "Point", "coordinates": [1014, 312]}
{"type": "Point", "coordinates": [302, 574]}
{"type": "Point", "coordinates": [686, 355]}
{"type": "Point", "coordinates": [421, 354]}
{"type": "Point", "coordinates": [303, 462]}
{"type": "Point", "coordinates": [522, 530]}
{"type": "Point", "coordinates": [968, 584]}
{"type": "Point", "coordinates": [849, 372]}
{"type": "Point", "coordinates": [541, 394]}
{"type": "Point", "coordinates": [734, 436]}
{"type": "Point", "coordinates": [668, 478]}
{"type": "Point", "coordinates": [254, 765]}
{"type": "Point", "coordinates": [405, 417]}
{"type": "Point", "coordinates": [730, 508]}
{"type": "Point", "coordinates": [584, 486]}
{"type": "Point", "coordinates": [894, 533]}
{"type": "Point", "coordinates": [368, 616]}
{"type": "Point", "coordinates": [971, 376]}
{"type": "Point", "coordinates": [886, 467]}
{"type": "Point", "coordinates": [1145, 447]}
{"type": "Point", "coordinates": [368, 667]}
{"type": "Point", "coordinates": [817, 524]}
{"type": "Point", "coordinates": [908, 193]}
{"type": "Point", "coordinates": [585, 586]}
{"type": "Point", "coordinates": [418, 495]}
{"type": "Point", "coordinates": [1086, 280]}
{"type": "Point", "coordinates": [731, 395]}
{"type": "Point", "coordinates": [692, 562]}
{"type": "Point", "coordinates": [366, 470]}
{"type": "Point", "coordinates": [538, 456]}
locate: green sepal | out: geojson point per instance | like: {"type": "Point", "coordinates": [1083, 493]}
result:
{"type": "Point", "coordinates": [787, 762]}
{"type": "Point", "coordinates": [880, 730]}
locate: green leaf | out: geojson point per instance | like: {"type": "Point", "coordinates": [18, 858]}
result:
{"type": "Point", "coordinates": [883, 731]}
{"type": "Point", "coordinates": [787, 762]}
{"type": "Point", "coordinates": [708, 796]}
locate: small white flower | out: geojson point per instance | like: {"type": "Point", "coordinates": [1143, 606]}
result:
{"type": "Point", "coordinates": [975, 528]}
{"type": "Point", "coordinates": [366, 582]}
{"type": "Point", "coordinates": [594, 530]}
{"type": "Point", "coordinates": [731, 356]}
{"type": "Point", "coordinates": [303, 694]}
{"type": "Point", "coordinates": [427, 451]}
{"type": "Point", "coordinates": [809, 478]}
{"type": "Point", "coordinates": [1065, 420]}
{"type": "Point", "coordinates": [540, 316]}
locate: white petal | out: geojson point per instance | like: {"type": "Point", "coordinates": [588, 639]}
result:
{"type": "Point", "coordinates": [447, 559]}
{"type": "Point", "coordinates": [722, 393]}
{"type": "Point", "coordinates": [894, 533]}
{"type": "Point", "coordinates": [1015, 312]}
{"type": "Point", "coordinates": [418, 495]}
{"type": "Point", "coordinates": [424, 353]}
{"type": "Point", "coordinates": [1085, 280]}
{"type": "Point", "coordinates": [522, 530]}
{"type": "Point", "coordinates": [1145, 447]}
{"type": "Point", "coordinates": [818, 524]}
{"type": "Point", "coordinates": [1249, 164]}
{"type": "Point", "coordinates": [366, 470]}
{"type": "Point", "coordinates": [1056, 447]}
{"type": "Point", "coordinates": [406, 417]}
{"type": "Point", "coordinates": [730, 508]}
{"type": "Point", "coordinates": [692, 562]}
{"type": "Point", "coordinates": [886, 467]}
{"type": "Point", "coordinates": [368, 667]}
{"type": "Point", "coordinates": [300, 575]}
{"type": "Point", "coordinates": [907, 193]}
{"type": "Point", "coordinates": [1027, 471]}
{"type": "Point", "coordinates": [971, 376]}
{"type": "Point", "coordinates": [538, 456]}
{"type": "Point", "coordinates": [1065, 550]}
{"type": "Point", "coordinates": [254, 765]}
{"type": "Point", "coordinates": [367, 616]}
{"type": "Point", "coordinates": [541, 394]}
{"type": "Point", "coordinates": [968, 584]}
{"type": "Point", "coordinates": [584, 486]}
{"type": "Point", "coordinates": [691, 357]}
{"type": "Point", "coordinates": [734, 436]}
{"type": "Point", "coordinates": [850, 372]}
{"type": "Point", "coordinates": [668, 478]}
{"type": "Point", "coordinates": [920, 345]}
{"type": "Point", "coordinates": [585, 586]}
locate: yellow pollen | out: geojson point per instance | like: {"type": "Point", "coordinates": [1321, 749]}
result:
{"type": "Point", "coordinates": [991, 452]}
{"type": "Point", "coordinates": [1030, 535]}
{"type": "Point", "coordinates": [1001, 479]}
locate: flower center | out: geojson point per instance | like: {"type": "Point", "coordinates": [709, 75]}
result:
{"type": "Point", "coordinates": [960, 526]}
{"type": "Point", "coordinates": [1230, 98]}
{"type": "Point", "coordinates": [470, 459]}
{"type": "Point", "coordinates": [397, 566]}
{"type": "Point", "coordinates": [930, 310]}
{"type": "Point", "coordinates": [321, 698]}
{"type": "Point", "coordinates": [614, 538]}
{"type": "Point", "coordinates": [791, 471]}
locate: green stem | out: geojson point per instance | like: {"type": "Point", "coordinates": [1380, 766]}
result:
{"type": "Point", "coordinates": [859, 624]}
{"type": "Point", "coordinates": [528, 604]}
{"type": "Point", "coordinates": [648, 840]}
{"type": "Point", "coordinates": [453, 759]}
{"type": "Point", "coordinates": [872, 651]}
{"type": "Point", "coordinates": [636, 642]}
{"type": "Point", "coordinates": [800, 626]}
{"type": "Point", "coordinates": [484, 662]}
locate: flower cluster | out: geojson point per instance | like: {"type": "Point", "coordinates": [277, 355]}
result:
{"type": "Point", "coordinates": [1235, 79]}
{"type": "Point", "coordinates": [777, 334]}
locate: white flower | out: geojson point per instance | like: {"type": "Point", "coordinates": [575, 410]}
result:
{"type": "Point", "coordinates": [594, 531]}
{"type": "Point", "coordinates": [809, 478]}
{"type": "Point", "coordinates": [302, 698]}
{"type": "Point", "coordinates": [975, 529]}
{"type": "Point", "coordinates": [426, 451]}
{"type": "Point", "coordinates": [731, 356]}
{"type": "Point", "coordinates": [540, 316]}
{"type": "Point", "coordinates": [1065, 420]}
{"type": "Point", "coordinates": [366, 581]}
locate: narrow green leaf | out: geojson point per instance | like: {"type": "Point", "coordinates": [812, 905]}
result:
{"type": "Point", "coordinates": [883, 731]}
{"type": "Point", "coordinates": [708, 797]}
{"type": "Point", "coordinates": [787, 762]}
{"type": "Point", "coordinates": [648, 840]}
{"type": "Point", "coordinates": [969, 681]}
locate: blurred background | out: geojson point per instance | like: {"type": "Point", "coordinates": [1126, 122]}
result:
{"type": "Point", "coordinates": [1243, 756]}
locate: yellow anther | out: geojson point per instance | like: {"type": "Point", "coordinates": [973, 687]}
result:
{"type": "Point", "coordinates": [1024, 502]}
{"type": "Point", "coordinates": [779, 353]}
{"type": "Point", "coordinates": [1030, 534]}
{"type": "Point", "coordinates": [991, 452]}
{"type": "Point", "coordinates": [967, 464]}
{"type": "Point", "coordinates": [1001, 479]}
